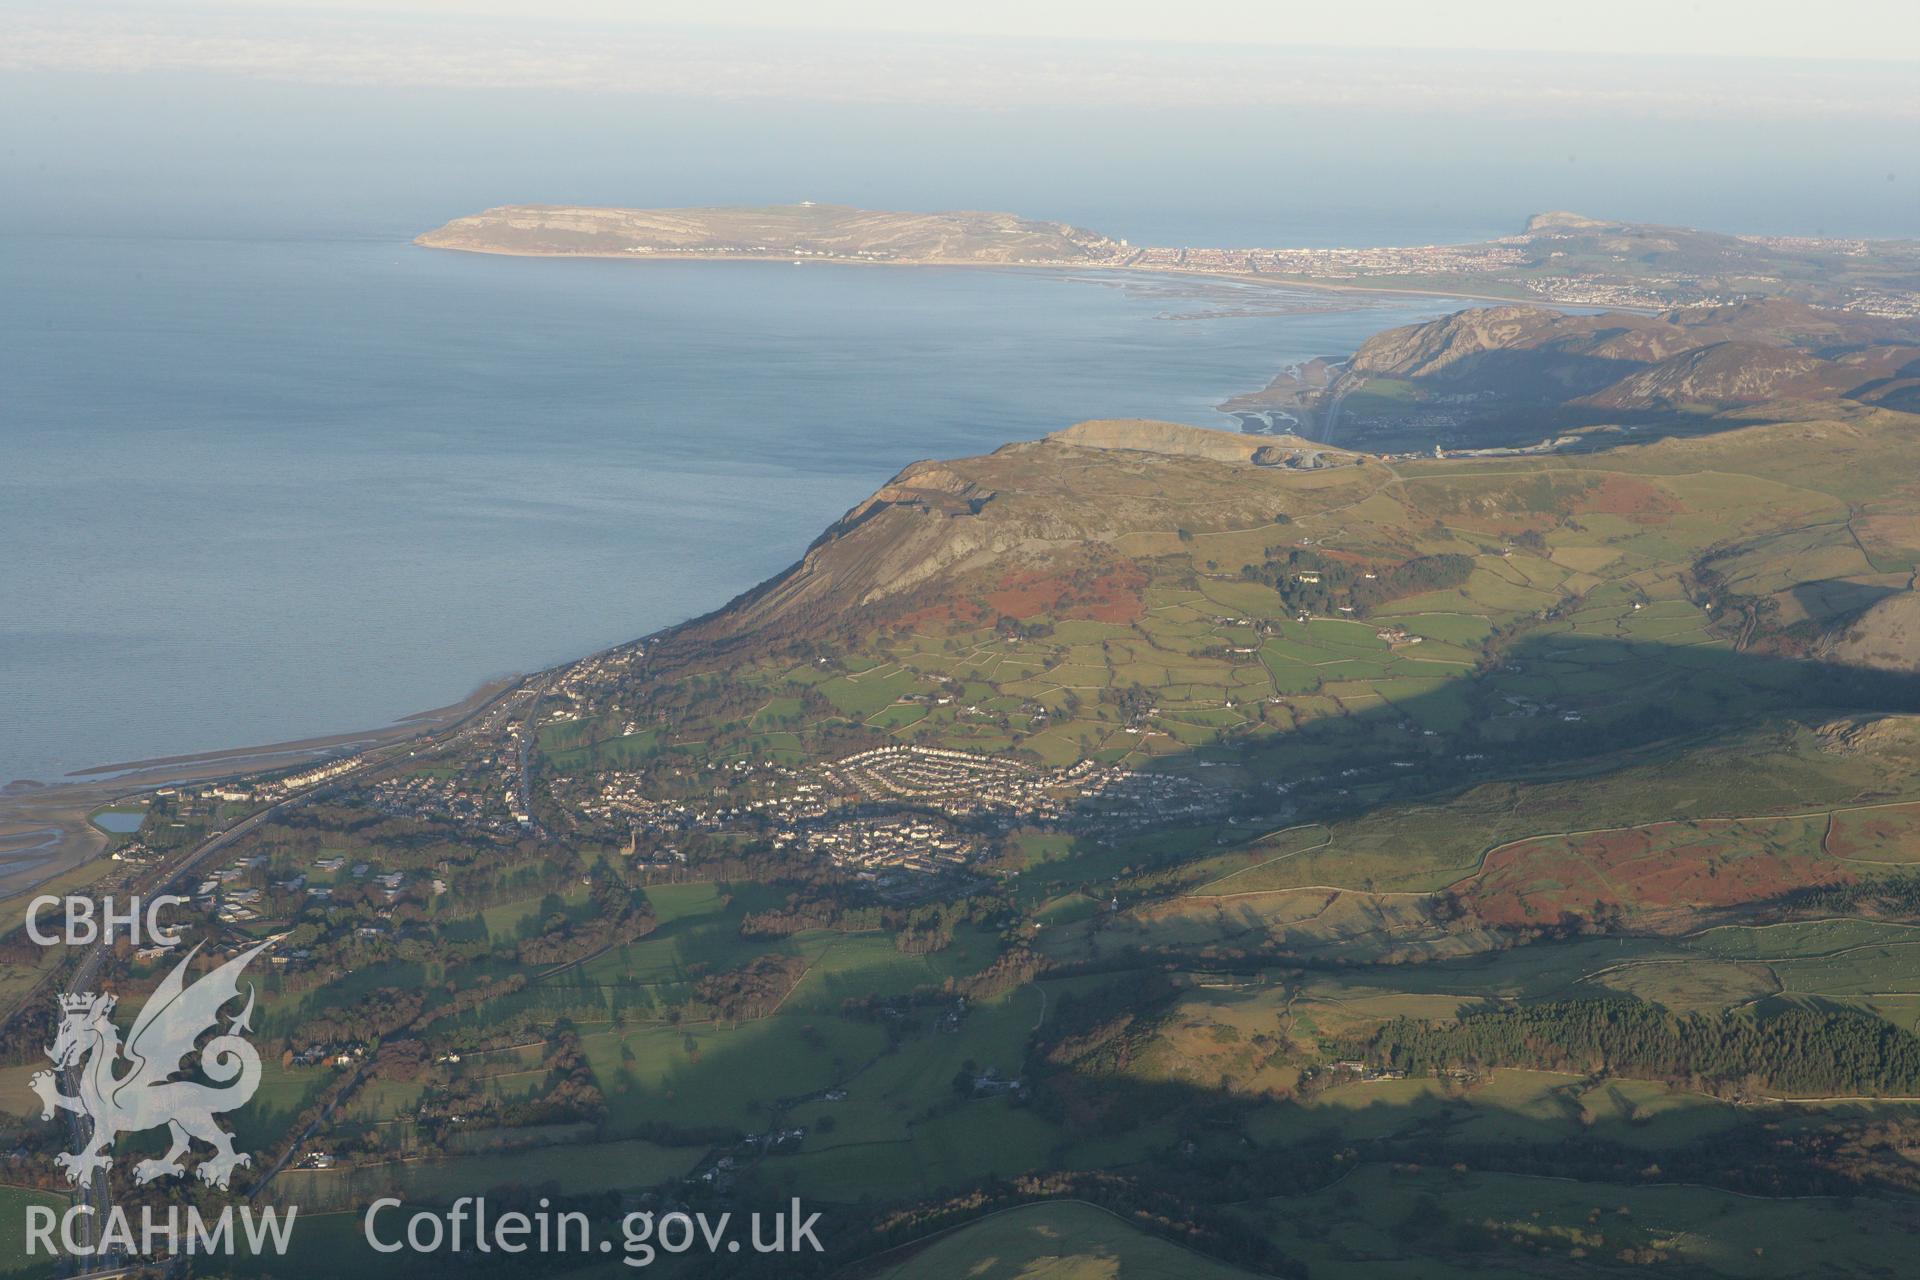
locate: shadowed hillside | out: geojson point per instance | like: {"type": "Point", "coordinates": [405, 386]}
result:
{"type": "Point", "coordinates": [1511, 375]}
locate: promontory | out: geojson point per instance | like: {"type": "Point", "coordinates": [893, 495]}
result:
{"type": "Point", "coordinates": [786, 232]}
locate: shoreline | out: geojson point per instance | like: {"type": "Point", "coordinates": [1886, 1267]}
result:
{"type": "Point", "coordinates": [403, 726]}
{"type": "Point", "coordinates": [1277, 282]}
{"type": "Point", "coordinates": [45, 829]}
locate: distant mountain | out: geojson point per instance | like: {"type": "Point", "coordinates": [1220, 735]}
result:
{"type": "Point", "coordinates": [793, 231]}
{"type": "Point", "coordinates": [1492, 375]}
{"type": "Point", "coordinates": [1519, 351]}
{"type": "Point", "coordinates": [1721, 374]}
{"type": "Point", "coordinates": [1659, 248]}
{"type": "Point", "coordinates": [1449, 345]}
{"type": "Point", "coordinates": [1560, 220]}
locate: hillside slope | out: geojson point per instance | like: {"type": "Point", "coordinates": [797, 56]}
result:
{"type": "Point", "coordinates": [1511, 374]}
{"type": "Point", "coordinates": [1029, 507]}
{"type": "Point", "coordinates": [1886, 636]}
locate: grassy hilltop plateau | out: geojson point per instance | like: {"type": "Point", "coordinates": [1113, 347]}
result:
{"type": "Point", "coordinates": [1152, 851]}
{"type": "Point", "coordinates": [779, 231]}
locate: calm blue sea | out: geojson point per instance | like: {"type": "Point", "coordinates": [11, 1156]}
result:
{"type": "Point", "coordinates": [258, 489]}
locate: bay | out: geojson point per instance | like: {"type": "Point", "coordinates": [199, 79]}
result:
{"type": "Point", "coordinates": [261, 489]}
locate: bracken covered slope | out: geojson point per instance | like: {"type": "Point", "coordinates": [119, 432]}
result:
{"type": "Point", "coordinates": [1031, 506]}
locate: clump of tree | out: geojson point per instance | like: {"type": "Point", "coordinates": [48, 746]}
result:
{"type": "Point", "coordinates": [752, 991]}
{"type": "Point", "coordinates": [569, 1093]}
{"type": "Point", "coordinates": [1895, 895]}
{"type": "Point", "coordinates": [1310, 582]}
{"type": "Point", "coordinates": [376, 1014]}
{"type": "Point", "coordinates": [1790, 1050]}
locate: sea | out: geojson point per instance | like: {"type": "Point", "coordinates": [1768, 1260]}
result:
{"type": "Point", "coordinates": [268, 471]}
{"type": "Point", "coordinates": [257, 489]}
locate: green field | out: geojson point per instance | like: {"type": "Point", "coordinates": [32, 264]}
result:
{"type": "Point", "coordinates": [1409, 751]}
{"type": "Point", "coordinates": [13, 1241]}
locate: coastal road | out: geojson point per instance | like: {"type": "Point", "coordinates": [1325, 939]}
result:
{"type": "Point", "coordinates": [1330, 424]}
{"type": "Point", "coordinates": [525, 784]}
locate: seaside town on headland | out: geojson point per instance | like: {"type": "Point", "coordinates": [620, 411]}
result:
{"type": "Point", "coordinates": [1561, 259]}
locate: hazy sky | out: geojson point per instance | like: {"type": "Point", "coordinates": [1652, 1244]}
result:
{"type": "Point", "coordinates": [1670, 59]}
{"type": "Point", "coordinates": [1852, 29]}
{"type": "Point", "coordinates": [1210, 122]}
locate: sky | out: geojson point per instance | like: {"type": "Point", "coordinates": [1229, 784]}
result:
{"type": "Point", "coordinates": [1209, 122]}
{"type": "Point", "coordinates": [1674, 59]}
{"type": "Point", "coordinates": [1879, 30]}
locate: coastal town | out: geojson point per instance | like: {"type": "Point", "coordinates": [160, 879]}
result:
{"type": "Point", "coordinates": [895, 809]}
{"type": "Point", "coordinates": [1558, 259]}
{"type": "Point", "coordinates": [904, 819]}
{"type": "Point", "coordinates": [1334, 264]}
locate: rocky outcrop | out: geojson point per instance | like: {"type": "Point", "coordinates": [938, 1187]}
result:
{"type": "Point", "coordinates": [1161, 437]}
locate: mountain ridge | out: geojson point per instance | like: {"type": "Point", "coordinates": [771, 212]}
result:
{"type": "Point", "coordinates": [1495, 375]}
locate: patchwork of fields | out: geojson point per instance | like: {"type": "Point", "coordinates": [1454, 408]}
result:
{"type": "Point", "coordinates": [613, 954]}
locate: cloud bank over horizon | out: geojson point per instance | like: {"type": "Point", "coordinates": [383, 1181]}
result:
{"type": "Point", "coordinates": [745, 64]}
{"type": "Point", "coordinates": [1867, 30]}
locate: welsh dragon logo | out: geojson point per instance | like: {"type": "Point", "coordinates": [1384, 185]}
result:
{"type": "Point", "coordinates": [143, 1094]}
